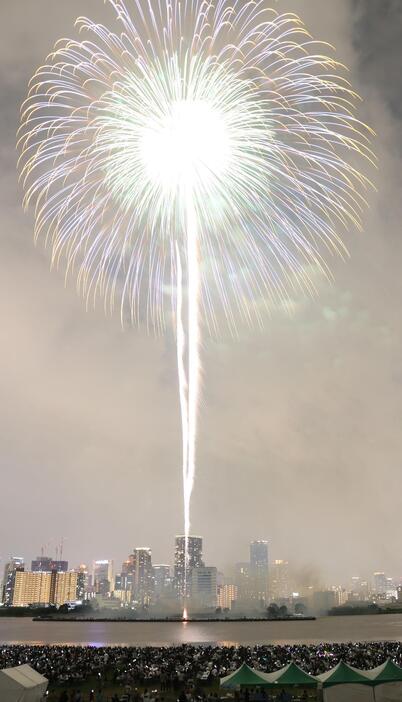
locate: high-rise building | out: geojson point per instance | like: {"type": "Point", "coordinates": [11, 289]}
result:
{"type": "Point", "coordinates": [64, 587]}
{"type": "Point", "coordinates": [128, 566]}
{"type": "Point", "coordinates": [341, 595]}
{"type": "Point", "coordinates": [143, 585]}
{"type": "Point", "coordinates": [203, 587]}
{"type": "Point", "coordinates": [162, 581]}
{"type": "Point", "coordinates": [14, 565]}
{"type": "Point", "coordinates": [279, 581]}
{"type": "Point", "coordinates": [44, 588]}
{"type": "Point", "coordinates": [103, 576]}
{"type": "Point", "coordinates": [242, 580]}
{"type": "Point", "coordinates": [47, 564]}
{"type": "Point", "coordinates": [123, 586]}
{"type": "Point", "coordinates": [227, 595]}
{"type": "Point", "coordinates": [391, 589]}
{"type": "Point", "coordinates": [259, 570]}
{"type": "Point", "coordinates": [359, 589]}
{"type": "Point", "coordinates": [83, 582]}
{"type": "Point", "coordinates": [355, 584]}
{"type": "Point", "coordinates": [380, 583]}
{"type": "Point", "coordinates": [194, 560]}
{"type": "Point", "coordinates": [32, 588]}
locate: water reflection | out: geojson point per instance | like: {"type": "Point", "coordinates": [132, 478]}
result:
{"type": "Point", "coordinates": [332, 629]}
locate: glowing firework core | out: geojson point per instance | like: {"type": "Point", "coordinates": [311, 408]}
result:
{"type": "Point", "coordinates": [187, 146]}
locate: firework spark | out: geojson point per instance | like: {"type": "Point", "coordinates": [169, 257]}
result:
{"type": "Point", "coordinates": [208, 148]}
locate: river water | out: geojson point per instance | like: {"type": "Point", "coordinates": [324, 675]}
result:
{"type": "Point", "coordinates": [387, 627]}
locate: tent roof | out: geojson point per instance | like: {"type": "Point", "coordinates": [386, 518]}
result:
{"type": "Point", "coordinates": [343, 673]}
{"type": "Point", "coordinates": [23, 676]}
{"type": "Point", "coordinates": [387, 672]}
{"type": "Point", "coordinates": [291, 674]}
{"type": "Point", "coordinates": [243, 676]}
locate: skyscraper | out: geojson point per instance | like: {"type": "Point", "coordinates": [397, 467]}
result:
{"type": "Point", "coordinates": [162, 581]}
{"type": "Point", "coordinates": [279, 580]}
{"type": "Point", "coordinates": [380, 583]}
{"type": "Point", "coordinates": [203, 587]}
{"type": "Point", "coordinates": [123, 587]}
{"type": "Point", "coordinates": [32, 588]}
{"type": "Point", "coordinates": [83, 582]}
{"type": "Point", "coordinates": [242, 581]}
{"type": "Point", "coordinates": [128, 566]}
{"type": "Point", "coordinates": [227, 595]}
{"type": "Point", "coordinates": [43, 587]}
{"type": "Point", "coordinates": [194, 555]}
{"type": "Point", "coordinates": [16, 563]}
{"type": "Point", "coordinates": [103, 576]}
{"type": "Point", "coordinates": [143, 585]}
{"type": "Point", "coordinates": [259, 570]}
{"type": "Point", "coordinates": [64, 587]}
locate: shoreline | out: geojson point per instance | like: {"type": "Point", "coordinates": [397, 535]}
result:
{"type": "Point", "coordinates": [124, 620]}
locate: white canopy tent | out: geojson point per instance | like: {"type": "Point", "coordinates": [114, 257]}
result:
{"type": "Point", "coordinates": [22, 684]}
{"type": "Point", "coordinates": [388, 692]}
{"type": "Point", "coordinates": [349, 692]}
{"type": "Point", "coordinates": [345, 684]}
{"type": "Point", "coordinates": [387, 680]}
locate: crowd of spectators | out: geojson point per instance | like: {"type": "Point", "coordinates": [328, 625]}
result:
{"type": "Point", "coordinates": [171, 668]}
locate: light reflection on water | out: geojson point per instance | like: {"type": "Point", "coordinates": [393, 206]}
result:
{"type": "Point", "coordinates": [340, 629]}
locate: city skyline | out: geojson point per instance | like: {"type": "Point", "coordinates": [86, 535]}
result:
{"type": "Point", "coordinates": [257, 559]}
{"type": "Point", "coordinates": [305, 413]}
{"type": "Point", "coordinates": [140, 587]}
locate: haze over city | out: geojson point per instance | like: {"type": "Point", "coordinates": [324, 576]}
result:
{"type": "Point", "coordinates": [299, 439]}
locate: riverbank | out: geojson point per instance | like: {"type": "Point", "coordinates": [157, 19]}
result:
{"type": "Point", "coordinates": [168, 620]}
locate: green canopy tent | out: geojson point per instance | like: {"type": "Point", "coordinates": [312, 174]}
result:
{"type": "Point", "coordinates": [346, 683]}
{"type": "Point", "coordinates": [387, 682]}
{"type": "Point", "coordinates": [244, 677]}
{"type": "Point", "coordinates": [290, 676]}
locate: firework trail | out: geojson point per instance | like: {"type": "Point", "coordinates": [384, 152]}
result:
{"type": "Point", "coordinates": [202, 160]}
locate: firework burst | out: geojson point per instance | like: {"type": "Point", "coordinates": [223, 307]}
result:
{"type": "Point", "coordinates": [202, 158]}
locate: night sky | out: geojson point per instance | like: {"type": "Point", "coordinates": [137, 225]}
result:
{"type": "Point", "coordinates": [300, 425]}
